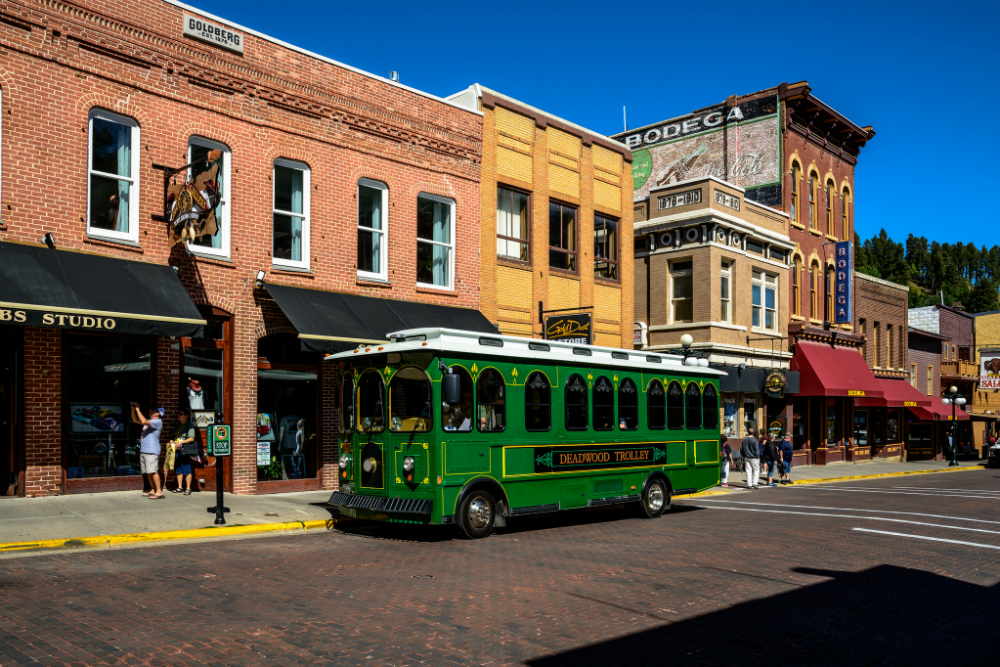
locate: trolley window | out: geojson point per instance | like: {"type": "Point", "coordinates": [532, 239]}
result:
{"type": "Point", "coordinates": [693, 406]}
{"type": "Point", "coordinates": [675, 406]}
{"type": "Point", "coordinates": [371, 402]}
{"type": "Point", "coordinates": [628, 406]}
{"type": "Point", "coordinates": [656, 406]}
{"type": "Point", "coordinates": [710, 407]}
{"type": "Point", "coordinates": [347, 404]}
{"type": "Point", "coordinates": [604, 405]}
{"type": "Point", "coordinates": [458, 418]}
{"type": "Point", "coordinates": [490, 408]}
{"type": "Point", "coordinates": [576, 403]}
{"type": "Point", "coordinates": [537, 403]}
{"type": "Point", "coordinates": [410, 401]}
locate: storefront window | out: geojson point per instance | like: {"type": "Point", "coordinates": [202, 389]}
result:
{"type": "Point", "coordinates": [104, 374]}
{"type": "Point", "coordinates": [729, 416]}
{"type": "Point", "coordinates": [831, 422]}
{"type": "Point", "coordinates": [799, 420]}
{"type": "Point", "coordinates": [749, 414]}
{"type": "Point", "coordinates": [202, 386]}
{"type": "Point", "coordinates": [861, 428]}
{"type": "Point", "coordinates": [892, 426]}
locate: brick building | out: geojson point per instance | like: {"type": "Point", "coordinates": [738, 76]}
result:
{"type": "Point", "coordinates": [711, 264]}
{"type": "Point", "coordinates": [791, 152]}
{"type": "Point", "coordinates": [355, 197]}
{"type": "Point", "coordinates": [924, 436]}
{"type": "Point", "coordinates": [554, 207]}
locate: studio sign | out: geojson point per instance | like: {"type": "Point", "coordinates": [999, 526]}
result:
{"type": "Point", "coordinates": [61, 320]}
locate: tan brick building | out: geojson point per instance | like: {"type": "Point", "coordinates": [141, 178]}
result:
{"type": "Point", "coordinates": [354, 195]}
{"type": "Point", "coordinates": [556, 216]}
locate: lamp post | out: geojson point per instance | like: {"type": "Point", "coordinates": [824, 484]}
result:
{"type": "Point", "coordinates": [690, 357]}
{"type": "Point", "coordinates": [953, 398]}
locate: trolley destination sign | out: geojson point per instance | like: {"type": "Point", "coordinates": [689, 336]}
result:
{"type": "Point", "coordinates": [559, 459]}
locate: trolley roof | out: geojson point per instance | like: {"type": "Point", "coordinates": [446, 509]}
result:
{"type": "Point", "coordinates": [475, 343]}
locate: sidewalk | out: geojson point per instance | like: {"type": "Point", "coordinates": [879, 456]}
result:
{"type": "Point", "coordinates": [127, 512]}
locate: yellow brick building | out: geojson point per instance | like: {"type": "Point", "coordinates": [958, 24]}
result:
{"type": "Point", "coordinates": [985, 402]}
{"type": "Point", "coordinates": [556, 220]}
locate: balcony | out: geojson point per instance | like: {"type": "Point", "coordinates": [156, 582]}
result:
{"type": "Point", "coordinates": [959, 370]}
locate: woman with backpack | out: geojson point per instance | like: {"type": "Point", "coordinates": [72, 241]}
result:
{"type": "Point", "coordinates": [770, 455]}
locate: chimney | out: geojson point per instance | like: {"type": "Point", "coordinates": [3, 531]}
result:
{"type": "Point", "coordinates": [394, 76]}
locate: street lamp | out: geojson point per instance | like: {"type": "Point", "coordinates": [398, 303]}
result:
{"type": "Point", "coordinates": [690, 357]}
{"type": "Point", "coordinates": [953, 398]}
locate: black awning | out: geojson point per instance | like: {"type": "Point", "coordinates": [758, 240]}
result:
{"type": "Point", "coordinates": [42, 287]}
{"type": "Point", "coordinates": [334, 322]}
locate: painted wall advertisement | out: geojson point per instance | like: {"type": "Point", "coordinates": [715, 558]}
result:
{"type": "Point", "coordinates": [989, 369]}
{"type": "Point", "coordinates": [843, 281]}
{"type": "Point", "coordinates": [739, 144]}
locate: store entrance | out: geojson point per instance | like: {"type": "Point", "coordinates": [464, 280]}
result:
{"type": "Point", "coordinates": [11, 474]}
{"type": "Point", "coordinates": [920, 442]}
{"type": "Point", "coordinates": [206, 389]}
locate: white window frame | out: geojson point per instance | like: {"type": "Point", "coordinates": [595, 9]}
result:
{"type": "Point", "coordinates": [679, 274]}
{"type": "Point", "coordinates": [760, 279]}
{"type": "Point", "coordinates": [304, 168]}
{"type": "Point", "coordinates": [132, 235]}
{"type": "Point", "coordinates": [223, 212]}
{"type": "Point", "coordinates": [726, 276]}
{"type": "Point", "coordinates": [451, 246]}
{"type": "Point", "coordinates": [383, 273]}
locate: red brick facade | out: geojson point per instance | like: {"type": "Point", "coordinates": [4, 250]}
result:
{"type": "Point", "coordinates": [59, 62]}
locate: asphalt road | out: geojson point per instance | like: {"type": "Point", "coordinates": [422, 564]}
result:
{"type": "Point", "coordinates": [900, 571]}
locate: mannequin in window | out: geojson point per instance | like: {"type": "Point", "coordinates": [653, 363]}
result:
{"type": "Point", "coordinates": [195, 395]}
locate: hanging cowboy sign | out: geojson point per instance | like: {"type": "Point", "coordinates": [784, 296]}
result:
{"type": "Point", "coordinates": [193, 204]}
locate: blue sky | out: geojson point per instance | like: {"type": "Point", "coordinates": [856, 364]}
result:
{"type": "Point", "coordinates": [924, 75]}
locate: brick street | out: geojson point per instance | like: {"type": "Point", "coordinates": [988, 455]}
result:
{"type": "Point", "coordinates": [774, 575]}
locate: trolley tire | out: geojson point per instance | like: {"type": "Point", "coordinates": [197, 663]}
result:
{"type": "Point", "coordinates": [655, 499]}
{"type": "Point", "coordinates": [477, 514]}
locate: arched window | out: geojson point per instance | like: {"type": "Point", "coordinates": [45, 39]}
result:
{"type": "Point", "coordinates": [656, 407]}
{"type": "Point", "coordinates": [491, 411]}
{"type": "Point", "coordinates": [410, 401]}
{"type": "Point", "coordinates": [576, 403]}
{"type": "Point", "coordinates": [692, 404]}
{"type": "Point", "coordinates": [371, 402]}
{"type": "Point", "coordinates": [813, 277]}
{"type": "Point", "coordinates": [710, 407]}
{"type": "Point", "coordinates": [843, 213]}
{"type": "Point", "coordinates": [458, 418]}
{"type": "Point", "coordinates": [628, 405]}
{"type": "Point", "coordinates": [812, 201]}
{"type": "Point", "coordinates": [537, 403]}
{"type": "Point", "coordinates": [795, 192]}
{"type": "Point", "coordinates": [796, 287]}
{"type": "Point", "coordinates": [604, 405]}
{"type": "Point", "coordinates": [831, 190]}
{"type": "Point", "coordinates": [675, 406]}
{"type": "Point", "coordinates": [829, 295]}
{"type": "Point", "coordinates": [347, 404]}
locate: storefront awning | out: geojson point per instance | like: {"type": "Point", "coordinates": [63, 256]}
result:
{"type": "Point", "coordinates": [43, 287]}
{"type": "Point", "coordinates": [830, 370]}
{"type": "Point", "coordinates": [898, 394]}
{"type": "Point", "coordinates": [938, 411]}
{"type": "Point", "coordinates": [334, 322]}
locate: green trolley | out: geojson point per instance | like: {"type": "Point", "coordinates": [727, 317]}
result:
{"type": "Point", "coordinates": [440, 426]}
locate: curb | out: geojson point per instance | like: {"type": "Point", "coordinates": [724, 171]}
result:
{"type": "Point", "coordinates": [827, 480]}
{"type": "Point", "coordinates": [112, 541]}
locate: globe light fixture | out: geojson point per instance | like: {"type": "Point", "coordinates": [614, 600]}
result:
{"type": "Point", "coordinates": [953, 398]}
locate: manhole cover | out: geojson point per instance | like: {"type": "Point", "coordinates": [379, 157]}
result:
{"type": "Point", "coordinates": [423, 576]}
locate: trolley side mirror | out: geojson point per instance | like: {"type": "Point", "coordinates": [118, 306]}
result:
{"type": "Point", "coordinates": [451, 388]}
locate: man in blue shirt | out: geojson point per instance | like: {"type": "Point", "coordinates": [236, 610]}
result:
{"type": "Point", "coordinates": [149, 448]}
{"type": "Point", "coordinates": [785, 447]}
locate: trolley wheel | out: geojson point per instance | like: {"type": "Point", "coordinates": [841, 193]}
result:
{"type": "Point", "coordinates": [655, 500]}
{"type": "Point", "coordinates": [477, 514]}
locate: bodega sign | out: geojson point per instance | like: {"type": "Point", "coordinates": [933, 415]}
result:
{"type": "Point", "coordinates": [213, 33]}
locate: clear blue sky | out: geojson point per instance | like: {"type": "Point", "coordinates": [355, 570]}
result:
{"type": "Point", "coordinates": [924, 75]}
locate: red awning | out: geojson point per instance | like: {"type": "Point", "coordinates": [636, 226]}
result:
{"type": "Point", "coordinates": [898, 394]}
{"type": "Point", "coordinates": [830, 370]}
{"type": "Point", "coordinates": [938, 411]}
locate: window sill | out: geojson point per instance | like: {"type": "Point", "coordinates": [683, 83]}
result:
{"type": "Point", "coordinates": [816, 322]}
{"type": "Point", "coordinates": [433, 289]}
{"type": "Point", "coordinates": [830, 237]}
{"type": "Point", "coordinates": [572, 275]}
{"type": "Point", "coordinates": [281, 268]}
{"type": "Point", "coordinates": [815, 232]}
{"type": "Point", "coordinates": [513, 263]}
{"type": "Point", "coordinates": [372, 282]}
{"type": "Point", "coordinates": [766, 332]}
{"type": "Point", "coordinates": [212, 259]}
{"type": "Point", "coordinates": [797, 225]}
{"type": "Point", "coordinates": [95, 238]}
{"type": "Point", "coordinates": [797, 318]}
{"type": "Point", "coordinates": [607, 282]}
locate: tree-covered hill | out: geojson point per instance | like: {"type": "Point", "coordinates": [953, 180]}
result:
{"type": "Point", "coordinates": [962, 271]}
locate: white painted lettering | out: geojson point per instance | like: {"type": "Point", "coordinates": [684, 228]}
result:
{"type": "Point", "coordinates": [691, 125]}
{"type": "Point", "coordinates": [652, 136]}
{"type": "Point", "coordinates": [671, 130]}
{"type": "Point", "coordinates": [713, 119]}
{"type": "Point", "coordinates": [734, 114]}
{"type": "Point", "coordinates": [633, 140]}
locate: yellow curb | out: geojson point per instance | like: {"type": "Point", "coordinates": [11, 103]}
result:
{"type": "Point", "coordinates": [194, 533]}
{"type": "Point", "coordinates": [702, 494]}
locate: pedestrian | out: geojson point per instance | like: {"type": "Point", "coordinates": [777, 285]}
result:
{"type": "Point", "coordinates": [727, 460]}
{"type": "Point", "coordinates": [786, 459]}
{"type": "Point", "coordinates": [186, 446]}
{"type": "Point", "coordinates": [149, 448]}
{"type": "Point", "coordinates": [769, 456]}
{"type": "Point", "coordinates": [751, 456]}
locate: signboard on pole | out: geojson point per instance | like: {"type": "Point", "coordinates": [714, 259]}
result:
{"type": "Point", "coordinates": [989, 369]}
{"type": "Point", "coordinates": [574, 328]}
{"type": "Point", "coordinates": [844, 281]}
{"type": "Point", "coordinates": [220, 441]}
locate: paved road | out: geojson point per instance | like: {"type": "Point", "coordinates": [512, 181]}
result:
{"type": "Point", "coordinates": [901, 571]}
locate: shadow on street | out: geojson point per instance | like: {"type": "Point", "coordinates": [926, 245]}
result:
{"type": "Point", "coordinates": [886, 615]}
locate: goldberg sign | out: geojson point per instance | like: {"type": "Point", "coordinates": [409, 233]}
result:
{"type": "Point", "coordinates": [212, 33]}
{"type": "Point", "coordinates": [842, 284]}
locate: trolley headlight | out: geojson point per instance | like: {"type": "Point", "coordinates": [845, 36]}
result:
{"type": "Point", "coordinates": [370, 465]}
{"type": "Point", "coordinates": [345, 461]}
{"type": "Point", "coordinates": [408, 464]}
